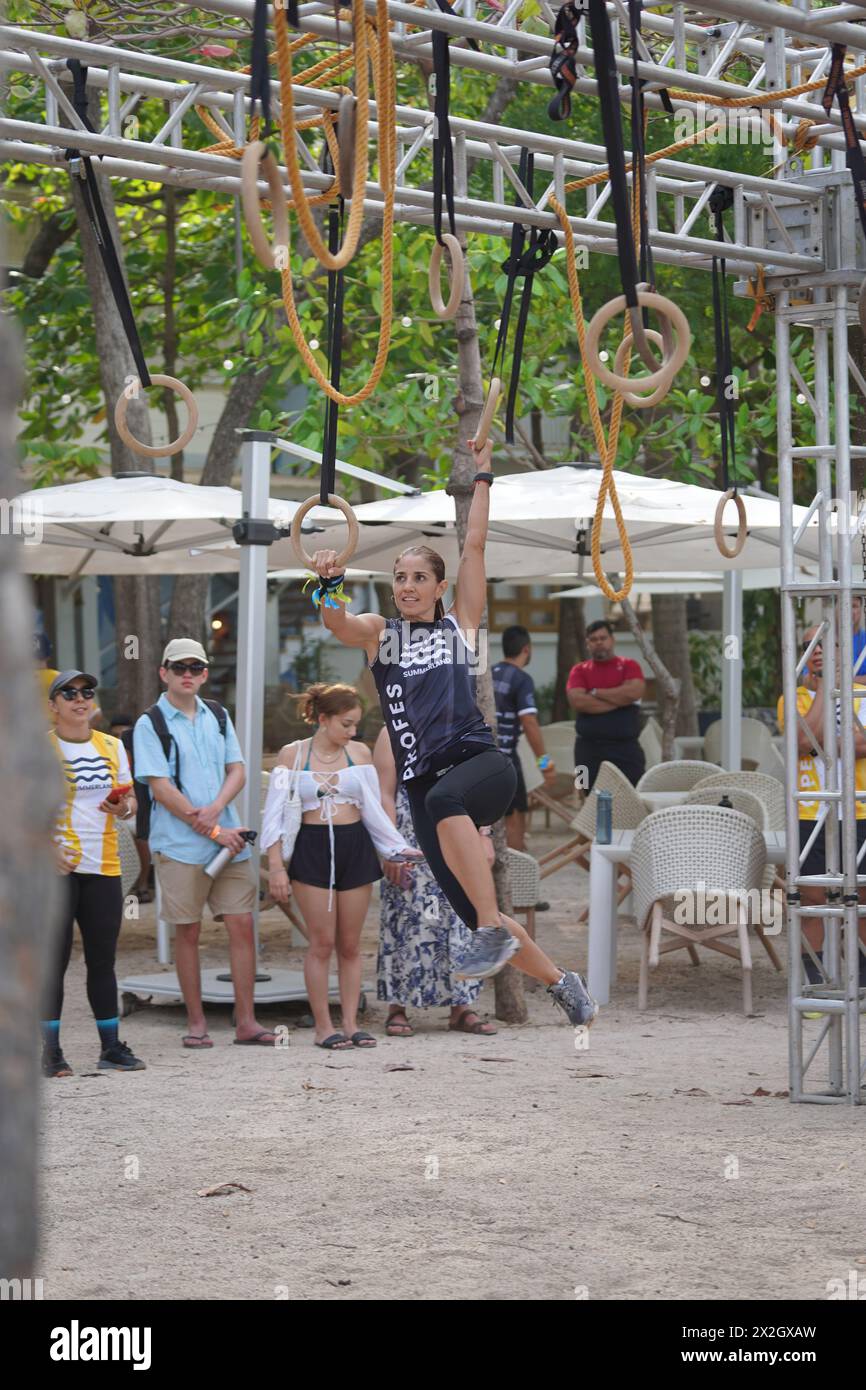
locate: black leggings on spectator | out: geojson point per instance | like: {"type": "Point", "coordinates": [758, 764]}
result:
{"type": "Point", "coordinates": [482, 787]}
{"type": "Point", "coordinates": [95, 902]}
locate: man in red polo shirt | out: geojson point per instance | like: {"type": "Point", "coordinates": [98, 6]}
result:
{"type": "Point", "coordinates": [605, 693]}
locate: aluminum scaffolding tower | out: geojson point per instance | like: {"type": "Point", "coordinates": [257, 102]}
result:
{"type": "Point", "coordinates": [798, 224]}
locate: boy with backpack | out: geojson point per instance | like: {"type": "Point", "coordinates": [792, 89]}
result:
{"type": "Point", "coordinates": [189, 764]}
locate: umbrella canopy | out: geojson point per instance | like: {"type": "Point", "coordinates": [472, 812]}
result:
{"type": "Point", "coordinates": [670, 527]}
{"type": "Point", "coordinates": [685, 584]}
{"type": "Point", "coordinates": [134, 524]}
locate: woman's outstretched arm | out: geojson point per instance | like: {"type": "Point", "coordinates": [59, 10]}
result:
{"type": "Point", "coordinates": [470, 596]}
{"type": "Point", "coordinates": [352, 629]}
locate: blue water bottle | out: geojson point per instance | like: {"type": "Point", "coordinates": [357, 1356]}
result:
{"type": "Point", "coordinates": [604, 818]}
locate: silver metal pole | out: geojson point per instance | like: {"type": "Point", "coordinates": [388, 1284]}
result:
{"type": "Point", "coordinates": [252, 604]}
{"type": "Point", "coordinates": [732, 669]}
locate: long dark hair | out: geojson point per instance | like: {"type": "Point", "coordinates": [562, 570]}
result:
{"type": "Point", "coordinates": [437, 565]}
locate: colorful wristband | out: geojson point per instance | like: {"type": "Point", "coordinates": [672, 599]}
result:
{"type": "Point", "coordinates": [544, 762]}
{"type": "Point", "coordinates": [214, 834]}
{"type": "Point", "coordinates": [327, 591]}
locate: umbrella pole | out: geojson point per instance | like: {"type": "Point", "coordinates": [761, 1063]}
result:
{"type": "Point", "coordinates": [732, 669]}
{"type": "Point", "coordinates": [252, 607]}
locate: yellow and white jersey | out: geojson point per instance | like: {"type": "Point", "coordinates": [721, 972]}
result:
{"type": "Point", "coordinates": [90, 771]}
{"type": "Point", "coordinates": [810, 776]}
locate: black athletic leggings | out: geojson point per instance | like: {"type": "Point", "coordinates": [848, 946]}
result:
{"type": "Point", "coordinates": [481, 787]}
{"type": "Point", "coordinates": [95, 902]}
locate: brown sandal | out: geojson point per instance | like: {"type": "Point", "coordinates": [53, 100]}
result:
{"type": "Point", "coordinates": [486, 1029]}
{"type": "Point", "coordinates": [403, 1030]}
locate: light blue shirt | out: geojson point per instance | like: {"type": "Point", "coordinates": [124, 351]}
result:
{"type": "Point", "coordinates": [204, 757]}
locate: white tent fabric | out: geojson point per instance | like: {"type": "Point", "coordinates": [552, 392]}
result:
{"type": "Point", "coordinates": [670, 527]}
{"type": "Point", "coordinates": [137, 524]}
{"type": "Point", "coordinates": [685, 584]}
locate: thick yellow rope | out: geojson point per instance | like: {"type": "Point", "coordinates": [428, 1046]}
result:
{"type": "Point", "coordinates": [303, 206]}
{"type": "Point", "coordinates": [379, 39]}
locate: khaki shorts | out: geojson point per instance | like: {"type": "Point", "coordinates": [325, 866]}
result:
{"type": "Point", "coordinates": [186, 888]}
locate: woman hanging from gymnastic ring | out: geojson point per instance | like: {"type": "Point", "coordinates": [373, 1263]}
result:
{"type": "Point", "coordinates": [447, 758]}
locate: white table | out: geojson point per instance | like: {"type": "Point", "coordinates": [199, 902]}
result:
{"type": "Point", "coordinates": [657, 801]}
{"type": "Point", "coordinates": [603, 862]}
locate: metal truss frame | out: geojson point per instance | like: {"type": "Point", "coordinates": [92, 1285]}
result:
{"type": "Point", "coordinates": [798, 224]}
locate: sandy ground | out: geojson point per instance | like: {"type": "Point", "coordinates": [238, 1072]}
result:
{"type": "Point", "coordinates": [512, 1167]}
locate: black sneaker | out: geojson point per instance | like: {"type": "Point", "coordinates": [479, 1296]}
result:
{"type": "Point", "coordinates": [54, 1064]}
{"type": "Point", "coordinates": [573, 997]}
{"type": "Point", "coordinates": [119, 1058]}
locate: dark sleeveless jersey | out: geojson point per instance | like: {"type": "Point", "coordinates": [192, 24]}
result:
{"type": "Point", "coordinates": [424, 676]}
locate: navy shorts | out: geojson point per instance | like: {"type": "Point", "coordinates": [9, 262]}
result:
{"type": "Point", "coordinates": [356, 862]}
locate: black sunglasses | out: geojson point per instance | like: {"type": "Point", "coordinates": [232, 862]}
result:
{"type": "Point", "coordinates": [73, 692]}
{"type": "Point", "coordinates": [194, 668]}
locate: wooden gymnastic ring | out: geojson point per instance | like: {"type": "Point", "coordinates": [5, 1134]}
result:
{"type": "Point", "coordinates": [742, 532]}
{"type": "Point", "coordinates": [664, 376]}
{"type": "Point", "coordinates": [488, 412]}
{"type": "Point", "coordinates": [631, 397]}
{"type": "Point", "coordinates": [155, 451]}
{"type": "Point", "coordinates": [458, 277]}
{"type": "Point", "coordinates": [346, 143]}
{"type": "Point", "coordinates": [255, 154]}
{"type": "Point", "coordinates": [351, 546]}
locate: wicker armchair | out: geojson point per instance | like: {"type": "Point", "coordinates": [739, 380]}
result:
{"type": "Point", "coordinates": [628, 812]}
{"type": "Point", "coordinates": [523, 881]}
{"type": "Point", "coordinates": [130, 864]}
{"type": "Point", "coordinates": [740, 799]}
{"type": "Point", "coordinates": [679, 775]}
{"type": "Point", "coordinates": [755, 740]}
{"type": "Point", "coordinates": [685, 859]}
{"type": "Point", "coordinates": [764, 787]}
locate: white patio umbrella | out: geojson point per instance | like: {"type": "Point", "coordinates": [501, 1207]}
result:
{"type": "Point", "coordinates": [686, 584]}
{"type": "Point", "coordinates": [134, 524]}
{"type": "Point", "coordinates": [536, 520]}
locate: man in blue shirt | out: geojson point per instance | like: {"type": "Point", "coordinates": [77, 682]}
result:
{"type": "Point", "coordinates": [192, 790]}
{"type": "Point", "coordinates": [516, 713]}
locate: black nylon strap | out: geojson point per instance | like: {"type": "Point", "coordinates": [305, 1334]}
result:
{"type": "Point", "coordinates": [446, 8]}
{"type": "Point", "coordinates": [645, 269]}
{"type": "Point", "coordinates": [443, 149]}
{"type": "Point", "coordinates": [93, 206]}
{"type": "Point", "coordinates": [609, 97]}
{"type": "Point", "coordinates": [335, 355]}
{"type": "Point", "coordinates": [721, 199]}
{"type": "Point", "coordinates": [525, 259]}
{"type": "Point", "coordinates": [837, 87]}
{"type": "Point", "coordinates": [260, 68]}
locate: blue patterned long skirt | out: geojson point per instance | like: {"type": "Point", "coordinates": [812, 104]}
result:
{"type": "Point", "coordinates": [420, 938]}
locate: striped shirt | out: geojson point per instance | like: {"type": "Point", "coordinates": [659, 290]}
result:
{"type": "Point", "coordinates": [90, 771]}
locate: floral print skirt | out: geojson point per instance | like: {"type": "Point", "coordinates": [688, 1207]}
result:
{"type": "Point", "coordinates": [420, 939]}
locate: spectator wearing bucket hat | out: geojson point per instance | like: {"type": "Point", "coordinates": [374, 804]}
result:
{"type": "Point", "coordinates": [187, 750]}
{"type": "Point", "coordinates": [98, 789]}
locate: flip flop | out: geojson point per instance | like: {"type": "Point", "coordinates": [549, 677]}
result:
{"type": "Point", "coordinates": [361, 1039]}
{"type": "Point", "coordinates": [196, 1042]}
{"type": "Point", "coordinates": [256, 1040]}
{"type": "Point", "coordinates": [480, 1026]}
{"type": "Point", "coordinates": [336, 1042]}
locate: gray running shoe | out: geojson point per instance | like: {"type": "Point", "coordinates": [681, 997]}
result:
{"type": "Point", "coordinates": [490, 949]}
{"type": "Point", "coordinates": [573, 997]}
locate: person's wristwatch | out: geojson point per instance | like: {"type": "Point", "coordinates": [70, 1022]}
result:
{"type": "Point", "coordinates": [593, 692]}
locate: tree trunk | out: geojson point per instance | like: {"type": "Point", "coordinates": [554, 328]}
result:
{"type": "Point", "coordinates": [136, 600]}
{"type": "Point", "coordinates": [31, 791]}
{"type": "Point", "coordinates": [668, 685]}
{"type": "Point", "coordinates": [169, 325]}
{"type": "Point", "coordinates": [508, 984]}
{"type": "Point", "coordinates": [671, 641]}
{"type": "Point", "coordinates": [569, 650]}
